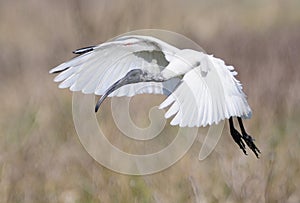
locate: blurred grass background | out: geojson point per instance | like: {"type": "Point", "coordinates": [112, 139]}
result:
{"type": "Point", "coordinates": [41, 158]}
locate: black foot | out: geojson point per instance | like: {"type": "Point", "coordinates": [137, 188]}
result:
{"type": "Point", "coordinates": [250, 142]}
{"type": "Point", "coordinates": [237, 137]}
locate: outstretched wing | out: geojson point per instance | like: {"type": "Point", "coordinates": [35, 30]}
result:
{"type": "Point", "coordinates": [98, 67]}
{"type": "Point", "coordinates": [207, 94]}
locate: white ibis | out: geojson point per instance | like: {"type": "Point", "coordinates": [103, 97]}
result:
{"type": "Point", "coordinates": [201, 90]}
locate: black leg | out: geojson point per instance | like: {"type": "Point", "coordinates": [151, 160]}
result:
{"type": "Point", "coordinates": [247, 138]}
{"type": "Point", "coordinates": [237, 137]}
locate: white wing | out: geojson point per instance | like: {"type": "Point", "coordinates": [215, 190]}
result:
{"type": "Point", "coordinates": [207, 94]}
{"type": "Point", "coordinates": [95, 71]}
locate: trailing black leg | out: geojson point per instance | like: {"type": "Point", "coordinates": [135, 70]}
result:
{"type": "Point", "coordinates": [248, 139]}
{"type": "Point", "coordinates": [237, 137]}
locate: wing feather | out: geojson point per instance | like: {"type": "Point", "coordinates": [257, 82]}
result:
{"type": "Point", "coordinates": [98, 69]}
{"type": "Point", "coordinates": [205, 99]}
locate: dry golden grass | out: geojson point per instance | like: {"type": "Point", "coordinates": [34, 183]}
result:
{"type": "Point", "coordinates": [41, 158]}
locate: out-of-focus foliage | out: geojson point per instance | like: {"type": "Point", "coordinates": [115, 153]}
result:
{"type": "Point", "coordinates": [41, 158]}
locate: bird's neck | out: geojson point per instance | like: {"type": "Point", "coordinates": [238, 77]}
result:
{"type": "Point", "coordinates": [152, 77]}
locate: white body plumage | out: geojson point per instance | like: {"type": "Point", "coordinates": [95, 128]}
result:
{"type": "Point", "coordinates": [200, 88]}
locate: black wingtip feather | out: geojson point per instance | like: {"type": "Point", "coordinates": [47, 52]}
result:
{"type": "Point", "coordinates": [59, 71]}
{"type": "Point", "coordinates": [84, 50]}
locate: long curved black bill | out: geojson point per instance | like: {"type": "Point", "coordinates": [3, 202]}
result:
{"type": "Point", "coordinates": [131, 77]}
{"type": "Point", "coordinates": [112, 88]}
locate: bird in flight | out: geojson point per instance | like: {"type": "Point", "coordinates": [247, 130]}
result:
{"type": "Point", "coordinates": [201, 90]}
